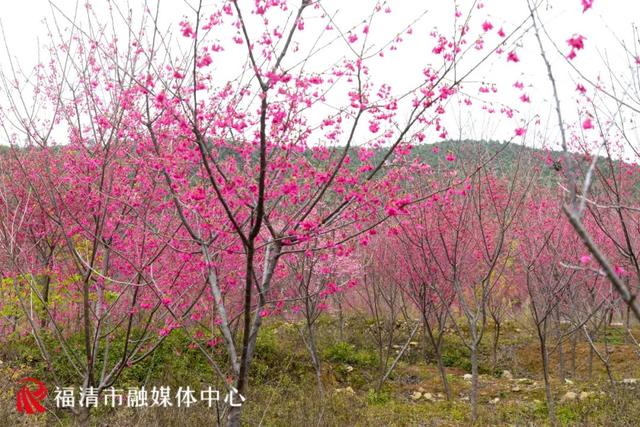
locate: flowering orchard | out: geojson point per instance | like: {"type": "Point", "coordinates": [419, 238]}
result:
{"type": "Point", "coordinates": [252, 163]}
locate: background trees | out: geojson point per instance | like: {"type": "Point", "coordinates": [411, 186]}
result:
{"type": "Point", "coordinates": [211, 181]}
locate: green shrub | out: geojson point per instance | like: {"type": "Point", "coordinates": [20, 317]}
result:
{"type": "Point", "coordinates": [343, 352]}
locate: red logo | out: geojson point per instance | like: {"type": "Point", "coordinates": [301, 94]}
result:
{"type": "Point", "coordinates": [27, 400]}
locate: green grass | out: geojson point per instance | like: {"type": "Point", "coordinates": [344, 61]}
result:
{"type": "Point", "coordinates": [283, 389]}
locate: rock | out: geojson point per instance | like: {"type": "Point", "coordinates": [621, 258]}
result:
{"type": "Point", "coordinates": [416, 395]}
{"type": "Point", "coordinates": [507, 375]}
{"type": "Point", "coordinates": [494, 400]}
{"type": "Point", "coordinates": [516, 388]}
{"type": "Point", "coordinates": [467, 377]}
{"type": "Point", "coordinates": [395, 347]}
{"type": "Point", "coordinates": [570, 395]}
{"type": "Point", "coordinates": [440, 395]}
{"type": "Point", "coordinates": [413, 343]}
{"type": "Point", "coordinates": [630, 381]}
{"type": "Point", "coordinates": [429, 397]}
{"type": "Point", "coordinates": [464, 399]}
{"type": "Point", "coordinates": [421, 389]}
{"type": "Point", "coordinates": [349, 368]}
{"type": "Point", "coordinates": [568, 381]}
{"type": "Point", "coordinates": [347, 390]}
{"type": "Point", "coordinates": [584, 395]}
{"type": "Point", "coordinates": [525, 381]}
{"type": "Point", "coordinates": [617, 324]}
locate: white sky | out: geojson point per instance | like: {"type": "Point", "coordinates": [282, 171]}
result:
{"type": "Point", "coordinates": [23, 27]}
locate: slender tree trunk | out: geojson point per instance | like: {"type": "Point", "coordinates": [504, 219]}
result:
{"type": "Point", "coordinates": [45, 281]}
{"type": "Point", "coordinates": [558, 328]}
{"type": "Point", "coordinates": [252, 328]}
{"type": "Point", "coordinates": [315, 359]}
{"type": "Point", "coordinates": [83, 417]}
{"type": "Point", "coordinates": [627, 324]}
{"type": "Point", "coordinates": [545, 370]}
{"type": "Point", "coordinates": [496, 340]}
{"type": "Point", "coordinates": [443, 372]}
{"type": "Point", "coordinates": [574, 349]}
{"type": "Point", "coordinates": [437, 348]}
{"type": "Point", "coordinates": [340, 320]}
{"type": "Point", "coordinates": [590, 364]}
{"type": "Point", "coordinates": [603, 358]}
{"type": "Point", "coordinates": [474, 381]}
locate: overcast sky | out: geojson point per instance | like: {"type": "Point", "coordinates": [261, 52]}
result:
{"type": "Point", "coordinates": [604, 26]}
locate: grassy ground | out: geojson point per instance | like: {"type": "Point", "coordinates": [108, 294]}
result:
{"type": "Point", "coordinates": [284, 391]}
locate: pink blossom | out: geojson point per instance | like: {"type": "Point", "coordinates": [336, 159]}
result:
{"type": "Point", "coordinates": [204, 61]}
{"type": "Point", "coordinates": [585, 259]}
{"type": "Point", "coordinates": [513, 57]}
{"type": "Point", "coordinates": [214, 342]}
{"type": "Point", "coordinates": [620, 271]}
{"type": "Point", "coordinates": [290, 188]}
{"type": "Point", "coordinates": [576, 42]}
{"type": "Point", "coordinates": [486, 26]}
{"type": "Point", "coordinates": [391, 211]}
{"type": "Point", "coordinates": [586, 124]}
{"type": "Point", "coordinates": [186, 29]}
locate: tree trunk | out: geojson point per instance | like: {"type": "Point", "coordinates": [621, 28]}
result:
{"type": "Point", "coordinates": [340, 320]}
{"type": "Point", "coordinates": [315, 359]}
{"type": "Point", "coordinates": [574, 346]}
{"type": "Point", "coordinates": [561, 367]}
{"type": "Point", "coordinates": [590, 364]}
{"type": "Point", "coordinates": [45, 280]}
{"type": "Point", "coordinates": [443, 372]}
{"type": "Point", "coordinates": [496, 340]}
{"type": "Point", "coordinates": [474, 382]}
{"type": "Point", "coordinates": [545, 370]}
{"type": "Point", "coordinates": [235, 413]}
{"type": "Point", "coordinates": [437, 348]}
{"type": "Point", "coordinates": [83, 416]}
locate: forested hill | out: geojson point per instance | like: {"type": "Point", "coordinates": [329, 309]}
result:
{"type": "Point", "coordinates": [501, 157]}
